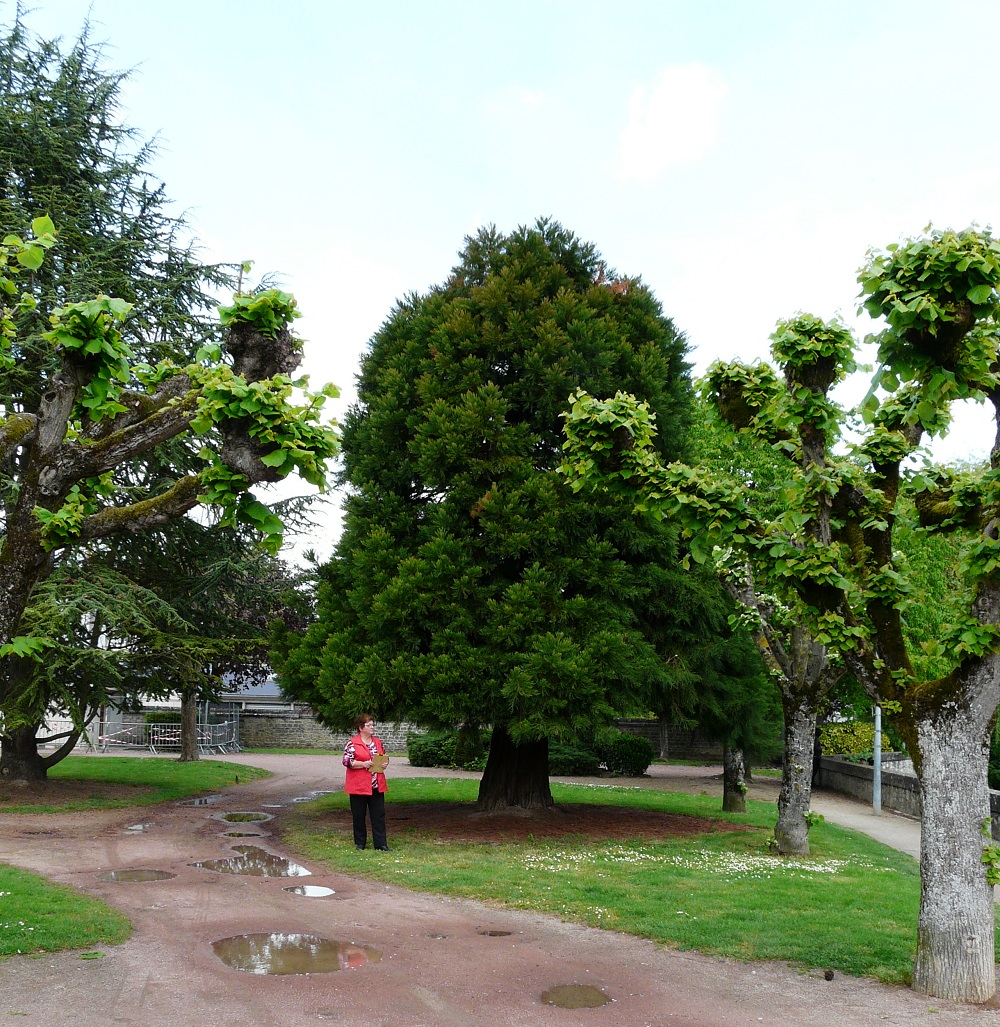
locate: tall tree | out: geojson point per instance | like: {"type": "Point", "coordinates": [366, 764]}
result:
{"type": "Point", "coordinates": [99, 411]}
{"type": "Point", "coordinates": [470, 586]}
{"type": "Point", "coordinates": [835, 549]}
{"type": "Point", "coordinates": [65, 150]}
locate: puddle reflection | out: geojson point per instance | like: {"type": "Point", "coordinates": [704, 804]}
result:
{"type": "Point", "coordinates": [312, 891]}
{"type": "Point", "coordinates": [292, 954]}
{"type": "Point", "coordinates": [575, 996]}
{"type": "Point", "coordinates": [253, 861]}
{"type": "Point", "coordinates": [130, 876]}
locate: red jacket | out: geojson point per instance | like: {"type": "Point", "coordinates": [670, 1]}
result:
{"type": "Point", "coordinates": [358, 781]}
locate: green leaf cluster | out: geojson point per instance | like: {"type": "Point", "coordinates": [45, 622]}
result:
{"type": "Point", "coordinates": [270, 311]}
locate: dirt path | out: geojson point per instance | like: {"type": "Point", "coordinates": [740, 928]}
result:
{"type": "Point", "coordinates": [437, 967]}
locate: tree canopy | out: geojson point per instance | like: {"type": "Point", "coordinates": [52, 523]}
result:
{"type": "Point", "coordinates": [470, 586]}
{"type": "Point", "coordinates": [834, 550]}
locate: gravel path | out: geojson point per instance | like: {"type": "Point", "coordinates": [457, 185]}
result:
{"type": "Point", "coordinates": [437, 967]}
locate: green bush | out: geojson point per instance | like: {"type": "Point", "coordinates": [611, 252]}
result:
{"type": "Point", "coordinates": [571, 760]}
{"type": "Point", "coordinates": [163, 717]}
{"type": "Point", "coordinates": [446, 749]}
{"type": "Point", "coordinates": [852, 738]}
{"type": "Point", "coordinates": [623, 753]}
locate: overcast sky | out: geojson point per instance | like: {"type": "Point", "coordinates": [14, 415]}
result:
{"type": "Point", "coordinates": [740, 157]}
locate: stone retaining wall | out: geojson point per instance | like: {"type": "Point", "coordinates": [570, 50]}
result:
{"type": "Point", "coordinates": [682, 743]}
{"type": "Point", "coordinates": [299, 729]}
{"type": "Point", "coordinates": [900, 790]}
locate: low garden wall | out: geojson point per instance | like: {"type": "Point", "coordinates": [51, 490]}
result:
{"type": "Point", "coordinates": [900, 788]}
{"type": "Point", "coordinates": [299, 729]}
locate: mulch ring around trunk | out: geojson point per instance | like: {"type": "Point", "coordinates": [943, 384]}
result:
{"type": "Point", "coordinates": [461, 821]}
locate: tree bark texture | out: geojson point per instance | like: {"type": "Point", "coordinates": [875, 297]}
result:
{"type": "Point", "coordinates": [734, 789]}
{"type": "Point", "coordinates": [515, 775]}
{"type": "Point", "coordinates": [955, 940]}
{"type": "Point", "coordinates": [664, 730]}
{"type": "Point", "coordinates": [792, 829]}
{"type": "Point", "coordinates": [20, 759]}
{"type": "Point", "coordinates": [189, 725]}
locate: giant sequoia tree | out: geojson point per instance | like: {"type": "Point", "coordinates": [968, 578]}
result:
{"type": "Point", "coordinates": [833, 551]}
{"type": "Point", "coordinates": [470, 586]}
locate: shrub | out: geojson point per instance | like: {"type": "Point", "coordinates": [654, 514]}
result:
{"type": "Point", "coordinates": [623, 753]}
{"type": "Point", "coordinates": [446, 749]}
{"type": "Point", "coordinates": [571, 760]}
{"type": "Point", "coordinates": [163, 717]}
{"type": "Point", "coordinates": [994, 765]}
{"type": "Point", "coordinates": [853, 738]}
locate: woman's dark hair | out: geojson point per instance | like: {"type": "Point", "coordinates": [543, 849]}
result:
{"type": "Point", "coordinates": [359, 722]}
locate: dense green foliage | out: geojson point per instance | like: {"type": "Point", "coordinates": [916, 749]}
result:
{"type": "Point", "coordinates": [470, 586]}
{"type": "Point", "coordinates": [852, 738]}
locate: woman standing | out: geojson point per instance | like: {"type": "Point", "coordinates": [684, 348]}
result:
{"type": "Point", "coordinates": [364, 782]}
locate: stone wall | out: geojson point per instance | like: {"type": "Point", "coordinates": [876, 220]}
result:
{"type": "Point", "coordinates": [682, 743]}
{"type": "Point", "coordinates": [900, 790]}
{"type": "Point", "coordinates": [299, 729]}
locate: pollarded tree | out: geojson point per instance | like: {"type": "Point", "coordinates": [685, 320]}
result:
{"type": "Point", "coordinates": [470, 586]}
{"type": "Point", "coordinates": [99, 410]}
{"type": "Point", "coordinates": [834, 547]}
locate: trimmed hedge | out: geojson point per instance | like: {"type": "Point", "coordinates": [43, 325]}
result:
{"type": "Point", "coordinates": [623, 753]}
{"type": "Point", "coordinates": [619, 751]}
{"type": "Point", "coordinates": [853, 738]}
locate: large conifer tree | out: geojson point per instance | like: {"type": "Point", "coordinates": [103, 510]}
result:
{"type": "Point", "coordinates": [471, 585]}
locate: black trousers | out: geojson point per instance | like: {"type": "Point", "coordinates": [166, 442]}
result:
{"type": "Point", "coordinates": [374, 806]}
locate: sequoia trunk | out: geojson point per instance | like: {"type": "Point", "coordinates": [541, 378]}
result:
{"type": "Point", "coordinates": [734, 789]}
{"type": "Point", "coordinates": [792, 829]}
{"type": "Point", "coordinates": [955, 940]}
{"type": "Point", "coordinates": [515, 775]}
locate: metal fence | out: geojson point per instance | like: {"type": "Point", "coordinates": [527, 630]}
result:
{"type": "Point", "coordinates": [219, 737]}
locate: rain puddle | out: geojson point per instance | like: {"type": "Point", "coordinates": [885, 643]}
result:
{"type": "Point", "coordinates": [242, 834]}
{"type": "Point", "coordinates": [205, 800]}
{"type": "Point", "coordinates": [495, 934]}
{"type": "Point", "coordinates": [435, 937]}
{"type": "Point", "coordinates": [575, 996]}
{"type": "Point", "coordinates": [292, 954]}
{"type": "Point", "coordinates": [129, 876]}
{"type": "Point", "coordinates": [272, 805]}
{"type": "Point", "coordinates": [244, 818]}
{"type": "Point", "coordinates": [304, 798]}
{"type": "Point", "coordinates": [138, 828]}
{"type": "Point", "coordinates": [312, 891]}
{"type": "Point", "coordinates": [253, 861]}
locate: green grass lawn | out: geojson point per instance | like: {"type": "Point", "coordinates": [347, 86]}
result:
{"type": "Point", "coordinates": [38, 916]}
{"type": "Point", "coordinates": [118, 781]}
{"type": "Point", "coordinates": [851, 907]}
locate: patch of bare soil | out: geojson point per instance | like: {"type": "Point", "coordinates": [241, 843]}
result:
{"type": "Point", "coordinates": [59, 792]}
{"type": "Point", "coordinates": [460, 821]}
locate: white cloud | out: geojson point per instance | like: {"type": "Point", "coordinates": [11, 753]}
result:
{"type": "Point", "coordinates": [673, 121]}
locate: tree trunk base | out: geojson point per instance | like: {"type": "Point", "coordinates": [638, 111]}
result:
{"type": "Point", "coordinates": [792, 829]}
{"type": "Point", "coordinates": [515, 775]}
{"type": "Point", "coordinates": [734, 789]}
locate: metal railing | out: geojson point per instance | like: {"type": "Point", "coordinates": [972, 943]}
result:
{"type": "Point", "coordinates": [220, 737]}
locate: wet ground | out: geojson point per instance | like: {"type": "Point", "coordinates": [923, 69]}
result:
{"type": "Point", "coordinates": [394, 958]}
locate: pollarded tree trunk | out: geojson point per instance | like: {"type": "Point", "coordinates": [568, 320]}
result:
{"type": "Point", "coordinates": [955, 940]}
{"type": "Point", "coordinates": [734, 789]}
{"type": "Point", "coordinates": [515, 775]}
{"type": "Point", "coordinates": [792, 829]}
